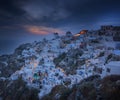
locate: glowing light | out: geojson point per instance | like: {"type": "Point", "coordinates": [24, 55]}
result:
{"type": "Point", "coordinates": [42, 30]}
{"type": "Point", "coordinates": [83, 32]}
{"type": "Point", "coordinates": [77, 35]}
{"type": "Point", "coordinates": [61, 70]}
{"type": "Point", "coordinates": [35, 65]}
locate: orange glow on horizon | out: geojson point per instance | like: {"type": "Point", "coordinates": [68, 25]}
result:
{"type": "Point", "coordinates": [83, 32]}
{"type": "Point", "coordinates": [42, 30]}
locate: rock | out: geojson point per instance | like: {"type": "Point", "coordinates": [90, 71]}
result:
{"type": "Point", "coordinates": [17, 90]}
{"type": "Point", "coordinates": [67, 81]}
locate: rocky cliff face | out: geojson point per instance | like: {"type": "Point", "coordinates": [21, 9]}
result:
{"type": "Point", "coordinates": [17, 90]}
{"type": "Point", "coordinates": [91, 88]}
{"type": "Point", "coordinates": [9, 64]}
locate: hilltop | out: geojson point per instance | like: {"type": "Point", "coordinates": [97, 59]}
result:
{"type": "Point", "coordinates": [66, 66]}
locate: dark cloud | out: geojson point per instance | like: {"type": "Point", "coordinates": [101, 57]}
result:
{"type": "Point", "coordinates": [11, 8]}
{"type": "Point", "coordinates": [56, 12]}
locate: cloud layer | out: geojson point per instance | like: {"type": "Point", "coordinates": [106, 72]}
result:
{"type": "Point", "coordinates": [42, 30]}
{"type": "Point", "coordinates": [59, 13]}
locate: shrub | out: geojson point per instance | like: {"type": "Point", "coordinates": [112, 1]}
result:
{"type": "Point", "coordinates": [59, 58]}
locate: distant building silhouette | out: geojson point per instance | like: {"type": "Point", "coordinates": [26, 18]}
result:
{"type": "Point", "coordinates": [69, 34]}
{"type": "Point", "coordinates": [56, 35]}
{"type": "Point", "coordinates": [110, 30]}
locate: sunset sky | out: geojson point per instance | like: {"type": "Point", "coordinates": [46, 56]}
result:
{"type": "Point", "coordinates": [24, 21]}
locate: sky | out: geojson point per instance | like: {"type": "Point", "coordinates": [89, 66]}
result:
{"type": "Point", "coordinates": [23, 21]}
